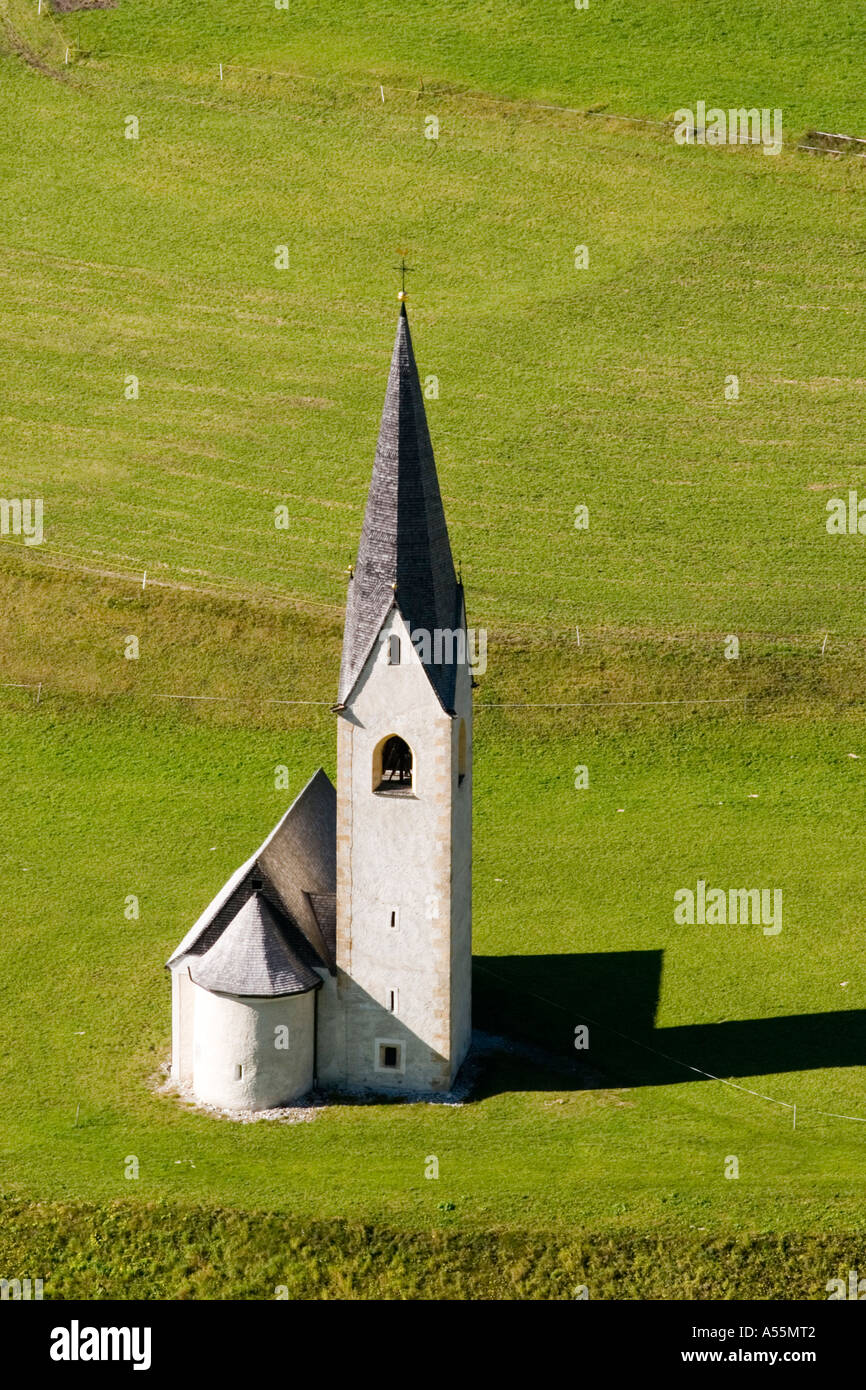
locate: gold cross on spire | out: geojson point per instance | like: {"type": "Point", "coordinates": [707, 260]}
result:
{"type": "Point", "coordinates": [404, 270]}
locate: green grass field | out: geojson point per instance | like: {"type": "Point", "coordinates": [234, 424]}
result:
{"type": "Point", "coordinates": [154, 258]}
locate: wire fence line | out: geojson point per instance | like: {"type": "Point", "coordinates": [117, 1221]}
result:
{"type": "Point", "coordinates": [585, 633]}
{"type": "Point", "coordinates": [610, 704]}
{"type": "Point", "coordinates": [244, 699]}
{"type": "Point", "coordinates": [41, 686]}
{"type": "Point", "coordinates": [438, 91]}
{"type": "Point", "coordinates": [839, 154]}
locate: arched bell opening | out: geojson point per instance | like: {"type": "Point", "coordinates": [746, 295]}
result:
{"type": "Point", "coordinates": [393, 766]}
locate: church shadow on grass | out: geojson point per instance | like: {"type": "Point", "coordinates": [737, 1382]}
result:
{"type": "Point", "coordinates": [538, 1001]}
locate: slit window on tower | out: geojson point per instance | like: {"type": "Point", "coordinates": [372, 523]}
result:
{"type": "Point", "coordinates": [395, 770]}
{"type": "Point", "coordinates": [394, 650]}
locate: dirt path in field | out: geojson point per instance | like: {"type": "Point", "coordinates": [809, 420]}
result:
{"type": "Point", "coordinates": [14, 43]}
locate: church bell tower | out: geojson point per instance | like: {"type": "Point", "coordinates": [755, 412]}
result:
{"type": "Point", "coordinates": [404, 775]}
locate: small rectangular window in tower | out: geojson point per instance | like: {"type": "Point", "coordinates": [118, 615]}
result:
{"type": "Point", "coordinates": [393, 1000]}
{"type": "Point", "coordinates": [239, 1072]}
{"type": "Point", "coordinates": [389, 1055]}
{"type": "Point", "coordinates": [395, 918]}
{"type": "Point", "coordinates": [394, 650]}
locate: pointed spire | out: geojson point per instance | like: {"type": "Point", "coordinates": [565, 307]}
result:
{"type": "Point", "coordinates": [404, 555]}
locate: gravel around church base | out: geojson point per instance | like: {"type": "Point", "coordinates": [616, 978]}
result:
{"type": "Point", "coordinates": [485, 1046]}
{"type": "Point", "coordinates": [286, 1114]}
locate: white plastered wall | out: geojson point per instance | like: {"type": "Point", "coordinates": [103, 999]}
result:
{"type": "Point", "coordinates": [394, 854]}
{"type": "Point", "coordinates": [182, 1022]}
{"type": "Point", "coordinates": [240, 1058]}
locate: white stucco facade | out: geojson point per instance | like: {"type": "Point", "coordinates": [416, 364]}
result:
{"type": "Point", "coordinates": [252, 1054]}
{"type": "Point", "coordinates": [403, 881]}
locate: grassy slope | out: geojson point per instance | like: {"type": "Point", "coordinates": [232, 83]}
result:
{"type": "Point", "coordinates": [145, 1250]}
{"type": "Point", "coordinates": [175, 796]}
{"type": "Point", "coordinates": [641, 59]}
{"type": "Point", "coordinates": [155, 258]}
{"type": "Point", "coordinates": [557, 386]}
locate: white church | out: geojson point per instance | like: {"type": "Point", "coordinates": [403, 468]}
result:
{"type": "Point", "coordinates": [339, 955]}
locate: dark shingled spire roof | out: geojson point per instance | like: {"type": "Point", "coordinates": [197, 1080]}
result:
{"type": "Point", "coordinates": [404, 555]}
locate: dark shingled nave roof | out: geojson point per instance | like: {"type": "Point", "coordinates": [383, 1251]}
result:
{"type": "Point", "coordinates": [285, 892]}
{"type": "Point", "coordinates": [404, 556]}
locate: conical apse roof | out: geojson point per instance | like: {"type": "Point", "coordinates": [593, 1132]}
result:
{"type": "Point", "coordinates": [252, 958]}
